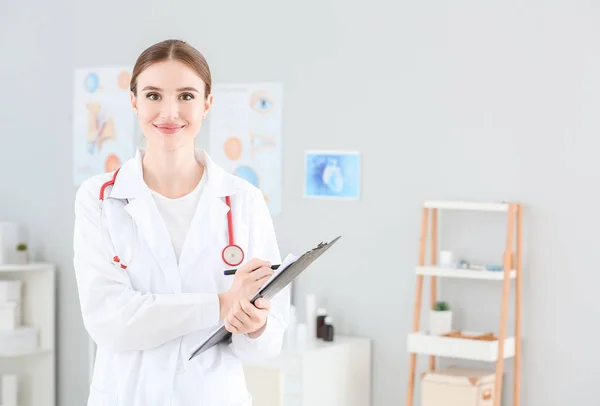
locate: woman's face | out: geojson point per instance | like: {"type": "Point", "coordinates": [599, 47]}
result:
{"type": "Point", "coordinates": [170, 104]}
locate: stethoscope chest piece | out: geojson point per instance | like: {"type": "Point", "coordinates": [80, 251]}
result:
{"type": "Point", "coordinates": [233, 255]}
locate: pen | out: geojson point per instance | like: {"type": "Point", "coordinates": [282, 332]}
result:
{"type": "Point", "coordinates": [232, 271]}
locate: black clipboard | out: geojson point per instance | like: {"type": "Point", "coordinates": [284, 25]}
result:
{"type": "Point", "coordinates": [279, 281]}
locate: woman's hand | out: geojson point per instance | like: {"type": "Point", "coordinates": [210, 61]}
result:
{"type": "Point", "coordinates": [247, 280]}
{"type": "Point", "coordinates": [248, 318]}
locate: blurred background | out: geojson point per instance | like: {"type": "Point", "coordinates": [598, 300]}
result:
{"type": "Point", "coordinates": [445, 101]}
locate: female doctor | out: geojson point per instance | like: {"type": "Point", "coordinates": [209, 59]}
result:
{"type": "Point", "coordinates": [151, 242]}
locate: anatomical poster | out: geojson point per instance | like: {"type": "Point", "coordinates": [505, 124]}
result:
{"type": "Point", "coordinates": [103, 121]}
{"type": "Point", "coordinates": [332, 174]}
{"type": "Point", "coordinates": [245, 135]}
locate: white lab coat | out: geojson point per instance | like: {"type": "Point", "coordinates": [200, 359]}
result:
{"type": "Point", "coordinates": [146, 320]}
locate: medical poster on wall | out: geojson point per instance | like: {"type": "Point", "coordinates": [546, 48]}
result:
{"type": "Point", "coordinates": [103, 121]}
{"type": "Point", "coordinates": [245, 128]}
{"type": "Point", "coordinates": [332, 174]}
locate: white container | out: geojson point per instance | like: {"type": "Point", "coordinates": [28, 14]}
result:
{"type": "Point", "coordinates": [10, 315]}
{"type": "Point", "coordinates": [440, 322]}
{"type": "Point", "coordinates": [454, 347]}
{"type": "Point", "coordinates": [9, 389]}
{"type": "Point", "coordinates": [301, 335]}
{"type": "Point", "coordinates": [21, 257]}
{"type": "Point", "coordinates": [311, 317]}
{"type": "Point", "coordinates": [458, 387]}
{"type": "Point", "coordinates": [9, 238]}
{"type": "Point", "coordinates": [23, 340]}
{"type": "Point", "coordinates": [445, 259]}
{"type": "Point", "coordinates": [290, 332]}
{"type": "Point", "coordinates": [10, 291]}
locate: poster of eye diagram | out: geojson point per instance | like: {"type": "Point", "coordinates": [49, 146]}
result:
{"type": "Point", "coordinates": [245, 135]}
{"type": "Point", "coordinates": [332, 174]}
{"type": "Point", "coordinates": [103, 121]}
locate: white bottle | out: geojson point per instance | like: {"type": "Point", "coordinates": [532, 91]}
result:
{"type": "Point", "coordinates": [311, 317]}
{"type": "Point", "coordinates": [301, 335]}
{"type": "Point", "coordinates": [290, 332]}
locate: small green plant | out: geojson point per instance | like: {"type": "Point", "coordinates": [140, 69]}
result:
{"type": "Point", "coordinates": [22, 247]}
{"type": "Point", "coordinates": [441, 306]}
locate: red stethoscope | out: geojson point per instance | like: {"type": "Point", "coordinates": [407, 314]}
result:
{"type": "Point", "coordinates": [232, 254]}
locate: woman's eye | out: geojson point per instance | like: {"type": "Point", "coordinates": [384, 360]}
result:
{"type": "Point", "coordinates": [152, 96]}
{"type": "Point", "coordinates": [187, 96]}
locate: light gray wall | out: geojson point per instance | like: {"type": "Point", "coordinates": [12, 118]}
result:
{"type": "Point", "coordinates": [465, 99]}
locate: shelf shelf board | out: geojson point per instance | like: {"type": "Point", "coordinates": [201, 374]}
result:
{"type": "Point", "coordinates": [460, 348]}
{"type": "Point", "coordinates": [467, 205]}
{"type": "Point", "coordinates": [463, 273]}
{"type": "Point", "coordinates": [31, 267]}
{"type": "Point", "coordinates": [36, 352]}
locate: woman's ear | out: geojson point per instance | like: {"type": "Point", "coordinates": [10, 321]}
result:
{"type": "Point", "coordinates": [133, 100]}
{"type": "Point", "coordinates": [207, 105]}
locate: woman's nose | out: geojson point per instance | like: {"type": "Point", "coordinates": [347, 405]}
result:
{"type": "Point", "coordinates": [170, 109]}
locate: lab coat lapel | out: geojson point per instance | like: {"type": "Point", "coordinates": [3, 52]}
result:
{"type": "Point", "coordinates": [210, 220]}
{"type": "Point", "coordinates": [130, 185]}
{"type": "Point", "coordinates": [211, 215]}
{"type": "Point", "coordinates": [153, 230]}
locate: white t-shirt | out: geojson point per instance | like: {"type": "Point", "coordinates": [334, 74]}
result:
{"type": "Point", "coordinates": [178, 214]}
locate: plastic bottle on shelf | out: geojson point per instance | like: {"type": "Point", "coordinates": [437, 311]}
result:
{"type": "Point", "coordinates": [321, 314]}
{"type": "Point", "coordinates": [328, 329]}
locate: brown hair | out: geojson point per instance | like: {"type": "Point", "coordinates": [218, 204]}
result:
{"type": "Point", "coordinates": [177, 50]}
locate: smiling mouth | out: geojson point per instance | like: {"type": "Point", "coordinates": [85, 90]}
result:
{"type": "Point", "coordinates": [169, 128]}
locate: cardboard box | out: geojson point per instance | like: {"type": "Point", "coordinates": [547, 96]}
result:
{"type": "Point", "coordinates": [458, 387]}
{"type": "Point", "coordinates": [10, 315]}
{"type": "Point", "coordinates": [10, 291]}
{"type": "Point", "coordinates": [22, 340]}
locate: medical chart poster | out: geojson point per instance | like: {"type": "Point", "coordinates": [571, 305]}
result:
{"type": "Point", "coordinates": [332, 174]}
{"type": "Point", "coordinates": [103, 121]}
{"type": "Point", "coordinates": [245, 127]}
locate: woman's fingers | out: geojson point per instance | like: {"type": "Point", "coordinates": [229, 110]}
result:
{"type": "Point", "coordinates": [261, 273]}
{"type": "Point", "coordinates": [253, 265]}
{"type": "Point", "coordinates": [262, 303]}
{"type": "Point", "coordinates": [230, 327]}
{"type": "Point", "coordinates": [246, 317]}
{"type": "Point", "coordinates": [240, 314]}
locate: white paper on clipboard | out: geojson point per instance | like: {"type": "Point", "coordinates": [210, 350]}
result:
{"type": "Point", "coordinates": [290, 259]}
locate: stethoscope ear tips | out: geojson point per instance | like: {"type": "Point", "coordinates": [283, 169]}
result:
{"type": "Point", "coordinates": [117, 260]}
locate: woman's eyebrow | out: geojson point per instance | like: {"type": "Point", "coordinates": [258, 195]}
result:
{"type": "Point", "coordinates": [187, 89]}
{"type": "Point", "coordinates": [181, 89]}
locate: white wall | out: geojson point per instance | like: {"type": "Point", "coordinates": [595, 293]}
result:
{"type": "Point", "coordinates": [461, 99]}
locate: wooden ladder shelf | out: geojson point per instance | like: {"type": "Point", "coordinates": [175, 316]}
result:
{"type": "Point", "coordinates": [491, 350]}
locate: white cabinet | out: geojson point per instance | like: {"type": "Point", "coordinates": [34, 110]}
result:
{"type": "Point", "coordinates": [30, 365]}
{"type": "Point", "coordinates": [334, 373]}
